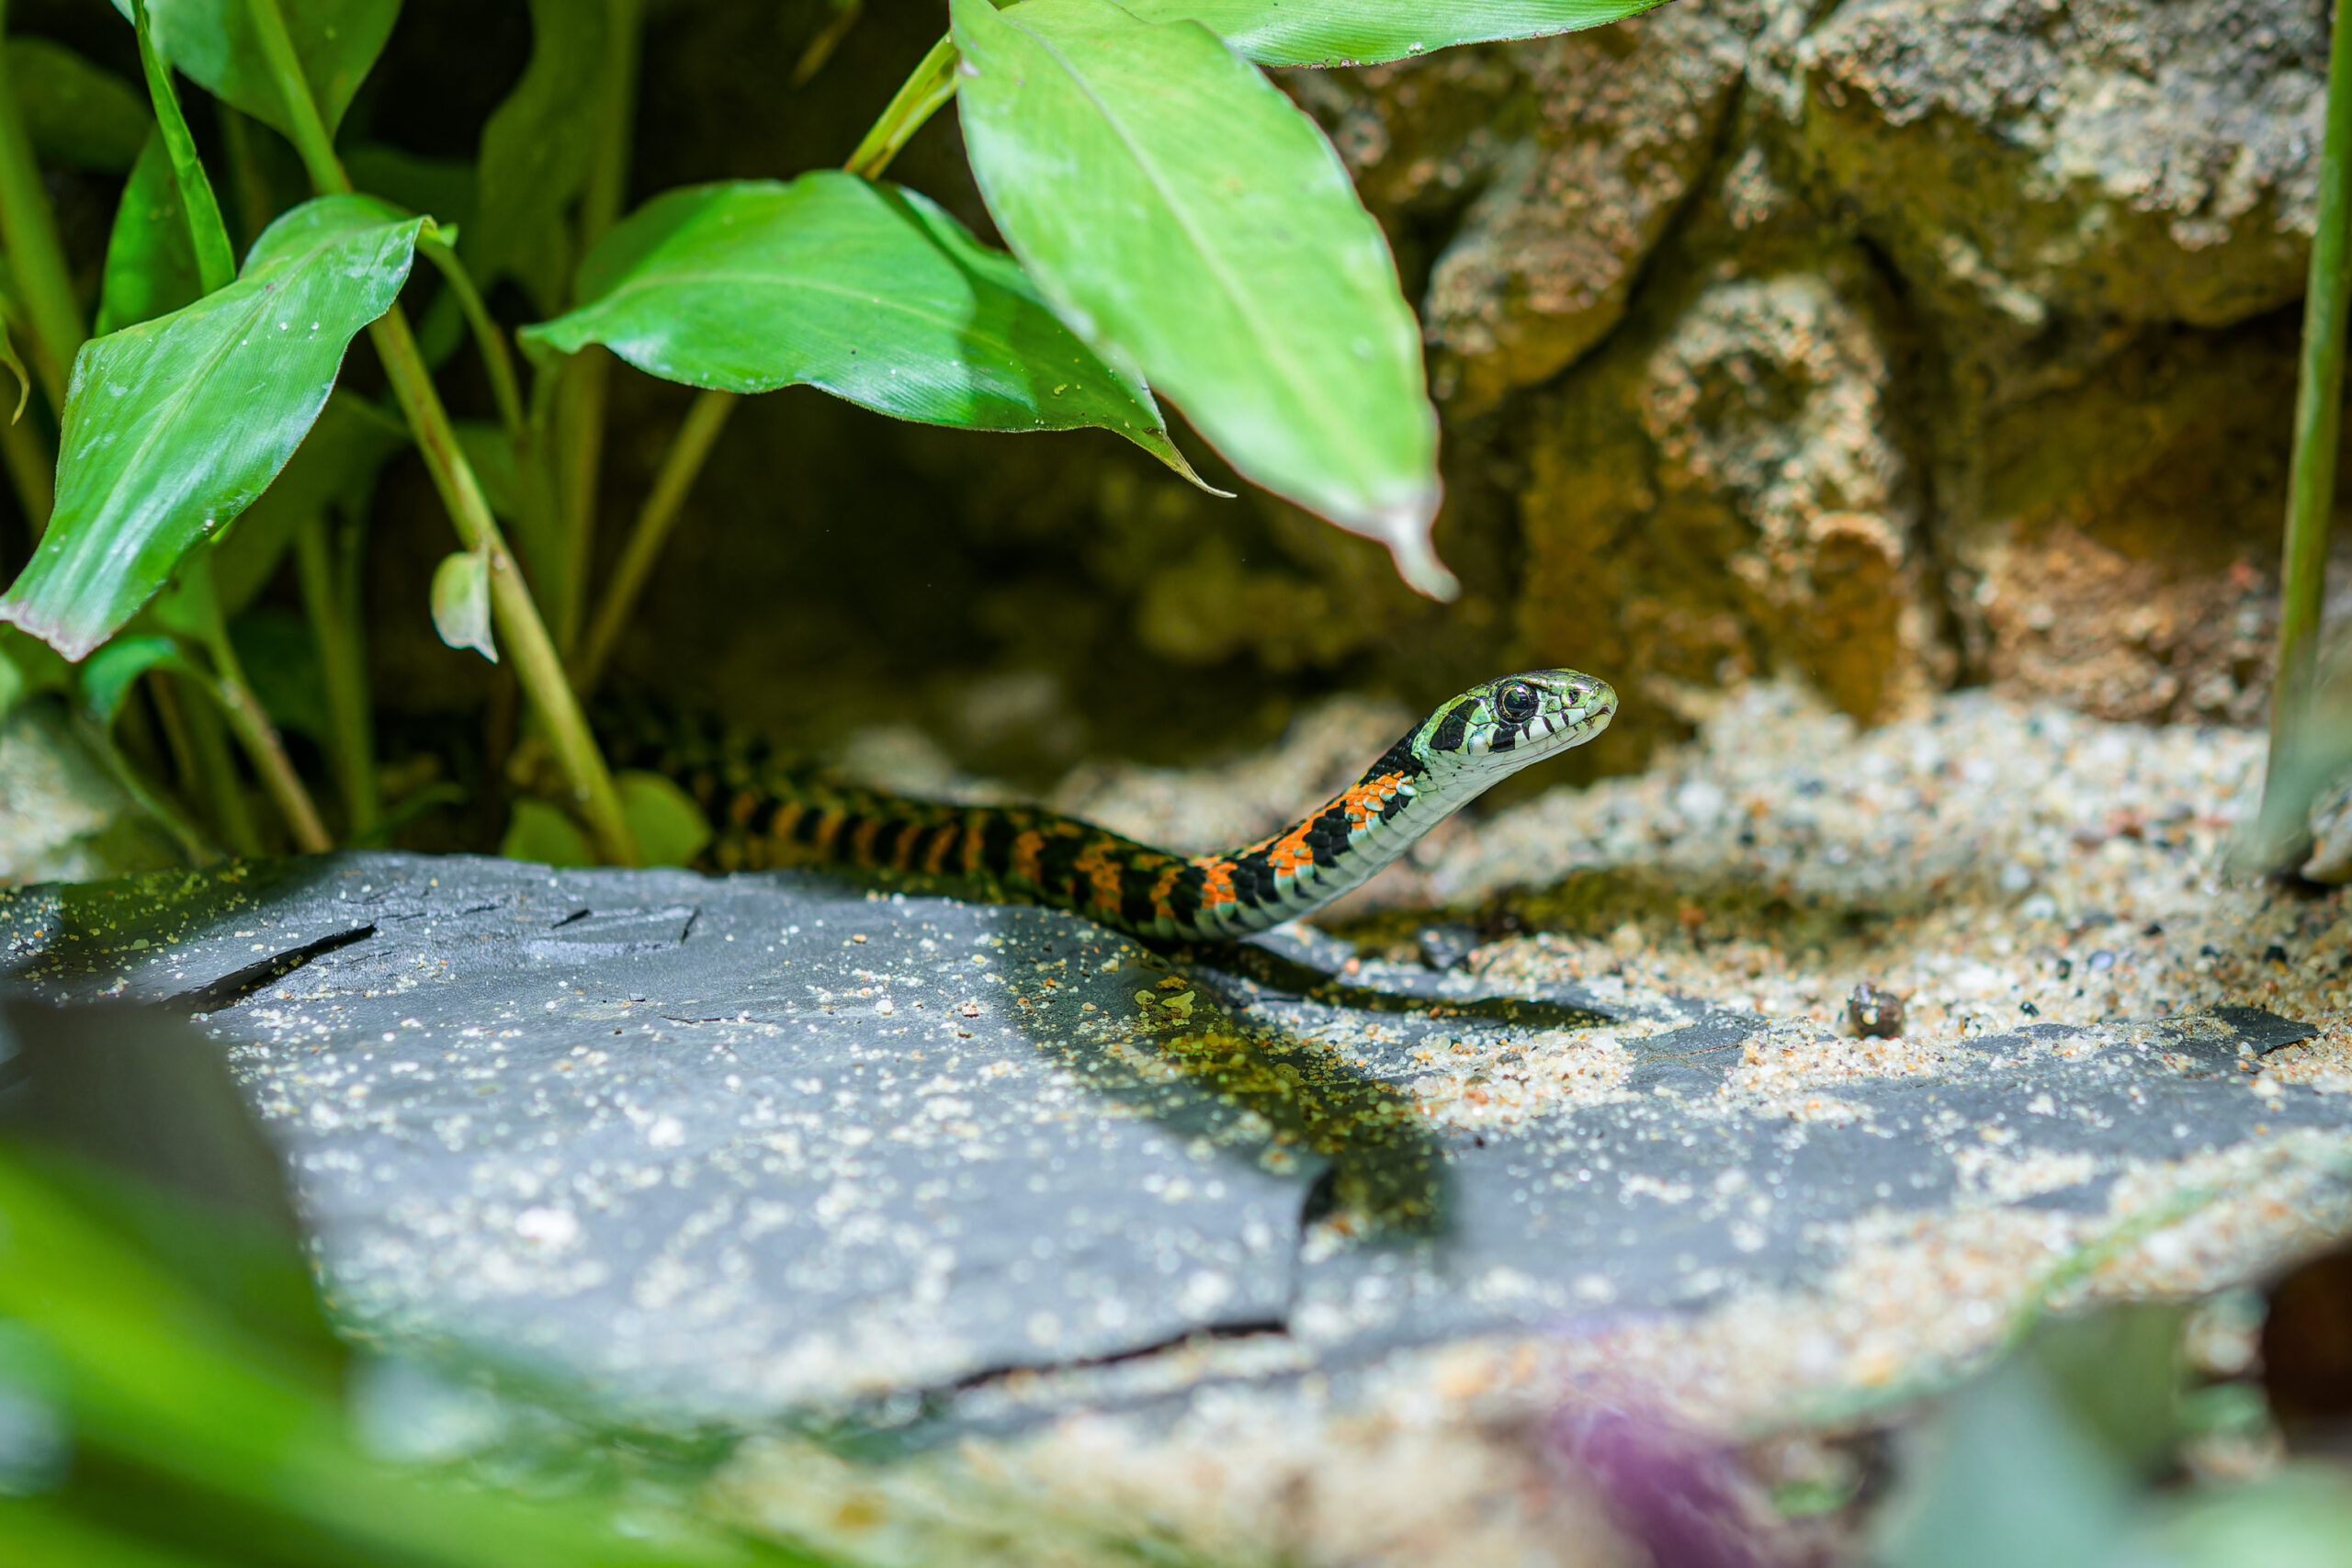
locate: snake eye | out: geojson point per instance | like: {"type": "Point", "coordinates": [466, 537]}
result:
{"type": "Point", "coordinates": [1517, 702]}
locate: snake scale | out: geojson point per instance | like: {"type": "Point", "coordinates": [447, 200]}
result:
{"type": "Point", "coordinates": [764, 818]}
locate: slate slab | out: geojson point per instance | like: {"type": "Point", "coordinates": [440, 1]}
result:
{"type": "Point", "coordinates": [735, 1146]}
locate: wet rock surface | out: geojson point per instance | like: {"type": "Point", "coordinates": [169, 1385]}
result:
{"type": "Point", "coordinates": [737, 1148]}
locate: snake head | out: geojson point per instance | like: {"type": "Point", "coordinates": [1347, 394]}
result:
{"type": "Point", "coordinates": [1503, 725]}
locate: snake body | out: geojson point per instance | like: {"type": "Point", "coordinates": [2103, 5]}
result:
{"type": "Point", "coordinates": [1463, 747]}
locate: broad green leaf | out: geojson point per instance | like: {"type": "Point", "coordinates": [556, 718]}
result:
{"type": "Point", "coordinates": [670, 829]}
{"type": "Point", "coordinates": [1362, 32]}
{"type": "Point", "coordinates": [214, 42]}
{"type": "Point", "coordinates": [151, 263]}
{"type": "Point", "coordinates": [173, 426]}
{"type": "Point", "coordinates": [534, 153]}
{"type": "Point", "coordinates": [106, 677]}
{"type": "Point", "coordinates": [542, 833]}
{"type": "Point", "coordinates": [1186, 218]}
{"type": "Point", "coordinates": [335, 465]}
{"type": "Point", "coordinates": [871, 292]}
{"type": "Point", "coordinates": [77, 113]}
{"type": "Point", "coordinates": [461, 602]}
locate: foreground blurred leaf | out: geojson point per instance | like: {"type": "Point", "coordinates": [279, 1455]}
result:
{"type": "Point", "coordinates": [2005, 1474]}
{"type": "Point", "coordinates": [158, 1382]}
{"type": "Point", "coordinates": [871, 292]}
{"type": "Point", "coordinates": [151, 263]}
{"type": "Point", "coordinates": [1361, 32]}
{"type": "Point", "coordinates": [534, 153]}
{"type": "Point", "coordinates": [1187, 219]}
{"type": "Point", "coordinates": [174, 426]}
{"type": "Point", "coordinates": [77, 113]}
{"type": "Point", "coordinates": [214, 42]}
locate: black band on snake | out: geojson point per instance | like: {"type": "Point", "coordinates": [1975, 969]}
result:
{"type": "Point", "coordinates": [1460, 751]}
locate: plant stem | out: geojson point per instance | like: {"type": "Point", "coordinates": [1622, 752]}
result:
{"type": "Point", "coordinates": [2319, 399]}
{"type": "Point", "coordinates": [259, 737]}
{"type": "Point", "coordinates": [931, 85]}
{"type": "Point", "coordinates": [251, 187]}
{"type": "Point", "coordinates": [31, 471]}
{"type": "Point", "coordinates": [208, 744]}
{"type": "Point", "coordinates": [343, 663]}
{"type": "Point", "coordinates": [497, 364]}
{"type": "Point", "coordinates": [525, 635]}
{"type": "Point", "coordinates": [537, 667]}
{"type": "Point", "coordinates": [36, 256]}
{"type": "Point", "coordinates": [216, 262]}
{"type": "Point", "coordinates": [586, 378]}
{"type": "Point", "coordinates": [688, 449]}
{"type": "Point", "coordinates": [198, 849]}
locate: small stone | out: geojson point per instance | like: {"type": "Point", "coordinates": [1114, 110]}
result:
{"type": "Point", "coordinates": [1447, 946]}
{"type": "Point", "coordinates": [1874, 1013]}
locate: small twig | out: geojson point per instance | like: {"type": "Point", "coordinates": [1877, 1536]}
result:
{"type": "Point", "coordinates": [680, 465]}
{"type": "Point", "coordinates": [931, 83]}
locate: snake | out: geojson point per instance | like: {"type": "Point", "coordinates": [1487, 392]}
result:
{"type": "Point", "coordinates": [767, 818]}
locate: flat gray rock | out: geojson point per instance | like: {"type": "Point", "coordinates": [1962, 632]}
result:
{"type": "Point", "coordinates": [736, 1146]}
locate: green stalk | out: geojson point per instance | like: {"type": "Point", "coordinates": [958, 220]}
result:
{"type": "Point", "coordinates": [36, 256]}
{"type": "Point", "coordinates": [352, 748]}
{"type": "Point", "coordinates": [693, 442]}
{"type": "Point", "coordinates": [259, 737]}
{"type": "Point", "coordinates": [524, 635]}
{"type": "Point", "coordinates": [587, 376]}
{"type": "Point", "coordinates": [217, 770]}
{"type": "Point", "coordinates": [496, 362]}
{"type": "Point", "coordinates": [931, 85]}
{"type": "Point", "coordinates": [2311, 493]}
{"type": "Point", "coordinates": [198, 849]}
{"type": "Point", "coordinates": [246, 178]}
{"type": "Point", "coordinates": [216, 262]}
{"type": "Point", "coordinates": [30, 469]}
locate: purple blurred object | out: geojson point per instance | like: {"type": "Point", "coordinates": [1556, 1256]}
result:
{"type": "Point", "coordinates": [1666, 1489]}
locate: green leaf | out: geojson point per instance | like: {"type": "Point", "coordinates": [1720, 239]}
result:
{"type": "Point", "coordinates": [1362, 32]}
{"type": "Point", "coordinates": [281, 660]}
{"type": "Point", "coordinates": [671, 829]}
{"type": "Point", "coordinates": [540, 832]}
{"type": "Point", "coordinates": [29, 666]}
{"type": "Point", "coordinates": [77, 113]}
{"type": "Point", "coordinates": [442, 187]}
{"type": "Point", "coordinates": [461, 602]}
{"type": "Point", "coordinates": [214, 42]}
{"type": "Point", "coordinates": [107, 675]}
{"type": "Point", "coordinates": [334, 466]}
{"type": "Point", "coordinates": [868, 291]}
{"type": "Point", "coordinates": [151, 263]}
{"type": "Point", "coordinates": [1187, 219]}
{"type": "Point", "coordinates": [174, 426]}
{"type": "Point", "coordinates": [535, 153]}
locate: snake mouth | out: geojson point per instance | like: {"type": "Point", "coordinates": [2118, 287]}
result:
{"type": "Point", "coordinates": [1589, 705]}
